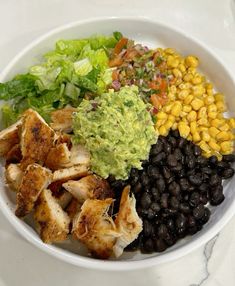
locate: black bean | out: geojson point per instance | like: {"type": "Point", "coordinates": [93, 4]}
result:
{"type": "Point", "coordinates": [174, 189]}
{"type": "Point", "coordinates": [153, 171]}
{"type": "Point", "coordinates": [181, 232]}
{"type": "Point", "coordinates": [147, 228]}
{"type": "Point", "coordinates": [175, 133]}
{"type": "Point", "coordinates": [229, 158]}
{"type": "Point", "coordinates": [223, 165]}
{"type": "Point", "coordinates": [160, 245]}
{"type": "Point", "coordinates": [202, 161]}
{"type": "Point", "coordinates": [148, 246]}
{"type": "Point", "coordinates": [137, 188]}
{"type": "Point", "coordinates": [159, 158]}
{"type": "Point", "coordinates": [203, 187]}
{"type": "Point", "coordinates": [170, 225]}
{"type": "Point", "coordinates": [178, 154]}
{"type": "Point", "coordinates": [196, 179]}
{"type": "Point", "coordinates": [206, 170]}
{"type": "Point", "coordinates": [150, 214]}
{"type": "Point", "coordinates": [191, 221]}
{"type": "Point", "coordinates": [190, 162]}
{"type": "Point", "coordinates": [133, 246]}
{"type": "Point", "coordinates": [182, 143]}
{"type": "Point", "coordinates": [228, 173]}
{"type": "Point", "coordinates": [177, 168]}
{"type": "Point", "coordinates": [157, 148]}
{"type": "Point", "coordinates": [184, 208]}
{"type": "Point", "coordinates": [145, 200]}
{"type": "Point", "coordinates": [156, 194]}
{"type": "Point", "coordinates": [217, 197]}
{"type": "Point", "coordinates": [160, 184]}
{"type": "Point", "coordinates": [206, 216]}
{"type": "Point", "coordinates": [134, 172]}
{"type": "Point", "coordinates": [199, 211]}
{"type": "Point", "coordinates": [197, 151]}
{"type": "Point", "coordinates": [174, 203]}
{"type": "Point", "coordinates": [134, 180]}
{"type": "Point", "coordinates": [172, 141]}
{"type": "Point", "coordinates": [167, 148]}
{"type": "Point", "coordinates": [213, 160]}
{"type": "Point", "coordinates": [145, 179]}
{"type": "Point", "coordinates": [180, 221]}
{"type": "Point", "coordinates": [188, 150]}
{"type": "Point", "coordinates": [170, 240]}
{"type": "Point", "coordinates": [215, 180]}
{"type": "Point", "coordinates": [155, 207]}
{"type": "Point", "coordinates": [162, 231]}
{"type": "Point", "coordinates": [181, 173]}
{"type": "Point", "coordinates": [184, 184]}
{"type": "Point", "coordinates": [166, 172]}
{"type": "Point", "coordinates": [164, 200]}
{"type": "Point", "coordinates": [192, 230]}
{"type": "Point", "coordinates": [194, 199]}
{"type": "Point", "coordinates": [204, 199]}
{"type": "Point", "coordinates": [170, 180]}
{"type": "Point", "coordinates": [171, 160]}
{"type": "Point", "coordinates": [186, 197]}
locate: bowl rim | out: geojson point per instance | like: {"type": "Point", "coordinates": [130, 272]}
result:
{"type": "Point", "coordinates": [88, 262]}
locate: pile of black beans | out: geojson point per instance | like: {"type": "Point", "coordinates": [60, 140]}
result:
{"type": "Point", "coordinates": [173, 191]}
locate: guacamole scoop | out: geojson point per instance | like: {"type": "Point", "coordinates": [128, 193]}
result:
{"type": "Point", "coordinates": [117, 129]}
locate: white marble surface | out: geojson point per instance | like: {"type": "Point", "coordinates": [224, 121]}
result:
{"type": "Point", "coordinates": [213, 21]}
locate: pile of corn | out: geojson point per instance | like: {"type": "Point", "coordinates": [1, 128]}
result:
{"type": "Point", "coordinates": [194, 109]}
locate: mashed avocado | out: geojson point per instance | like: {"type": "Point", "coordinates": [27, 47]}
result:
{"type": "Point", "coordinates": [117, 129]}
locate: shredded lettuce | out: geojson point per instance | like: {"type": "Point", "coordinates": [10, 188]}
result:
{"type": "Point", "coordinates": [67, 73]}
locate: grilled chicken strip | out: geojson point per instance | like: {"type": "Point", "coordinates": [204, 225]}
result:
{"type": "Point", "coordinates": [61, 157]}
{"type": "Point", "coordinates": [13, 176]}
{"type": "Point", "coordinates": [35, 179]}
{"type": "Point", "coordinates": [74, 172]}
{"type": "Point", "coordinates": [9, 137]}
{"type": "Point", "coordinates": [73, 208]}
{"type": "Point", "coordinates": [128, 223]}
{"type": "Point", "coordinates": [14, 155]}
{"type": "Point", "coordinates": [62, 119]}
{"type": "Point", "coordinates": [36, 138]}
{"type": "Point", "coordinates": [53, 222]}
{"type": "Point", "coordinates": [95, 228]}
{"type": "Point", "coordinates": [89, 187]}
{"type": "Point", "coordinates": [64, 198]}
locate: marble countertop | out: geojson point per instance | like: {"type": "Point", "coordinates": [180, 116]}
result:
{"type": "Point", "coordinates": [213, 22]}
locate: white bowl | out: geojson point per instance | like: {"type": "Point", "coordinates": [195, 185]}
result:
{"type": "Point", "coordinates": [155, 35]}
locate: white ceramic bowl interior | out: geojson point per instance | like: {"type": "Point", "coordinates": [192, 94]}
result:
{"type": "Point", "coordinates": [152, 34]}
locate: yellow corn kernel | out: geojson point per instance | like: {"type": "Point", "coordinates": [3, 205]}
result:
{"type": "Point", "coordinates": [184, 119]}
{"type": "Point", "coordinates": [212, 115]}
{"type": "Point", "coordinates": [183, 94]}
{"type": "Point", "coordinates": [214, 145]}
{"type": "Point", "coordinates": [173, 89]}
{"type": "Point", "coordinates": [167, 108]}
{"type": "Point", "coordinates": [223, 136]}
{"type": "Point", "coordinates": [209, 99]}
{"type": "Point", "coordinates": [169, 51]}
{"type": "Point", "coordinates": [187, 108]}
{"type": "Point", "coordinates": [205, 136]}
{"type": "Point", "coordinates": [186, 85]}
{"type": "Point", "coordinates": [160, 122]}
{"type": "Point", "coordinates": [188, 77]}
{"type": "Point", "coordinates": [190, 138]}
{"type": "Point", "coordinates": [197, 79]}
{"type": "Point", "coordinates": [174, 126]}
{"type": "Point", "coordinates": [161, 115]}
{"type": "Point", "coordinates": [231, 122]}
{"type": "Point", "coordinates": [182, 68]}
{"type": "Point", "coordinates": [204, 146]}
{"type": "Point", "coordinates": [226, 146]}
{"type": "Point", "coordinates": [208, 85]}
{"type": "Point", "coordinates": [183, 129]}
{"type": "Point", "coordinates": [163, 131]}
{"type": "Point", "coordinates": [197, 103]}
{"type": "Point", "coordinates": [202, 112]}
{"type": "Point", "coordinates": [220, 106]}
{"type": "Point", "coordinates": [193, 127]}
{"type": "Point", "coordinates": [212, 108]}
{"type": "Point", "coordinates": [198, 90]}
{"type": "Point", "coordinates": [192, 70]}
{"type": "Point", "coordinates": [188, 99]}
{"type": "Point", "coordinates": [203, 128]}
{"type": "Point", "coordinates": [219, 97]}
{"type": "Point", "coordinates": [216, 122]}
{"type": "Point", "coordinates": [203, 121]}
{"type": "Point", "coordinates": [209, 92]}
{"type": "Point", "coordinates": [177, 73]}
{"type": "Point", "coordinates": [192, 116]}
{"type": "Point", "coordinates": [224, 127]}
{"type": "Point", "coordinates": [213, 131]}
{"type": "Point", "coordinates": [191, 61]}
{"type": "Point", "coordinates": [196, 137]}
{"type": "Point", "coordinates": [176, 109]}
{"type": "Point", "coordinates": [171, 117]}
{"type": "Point", "coordinates": [183, 114]}
{"type": "Point", "coordinates": [171, 96]}
{"type": "Point", "coordinates": [168, 124]}
{"type": "Point", "coordinates": [172, 62]}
